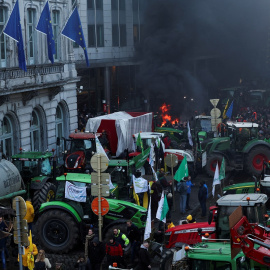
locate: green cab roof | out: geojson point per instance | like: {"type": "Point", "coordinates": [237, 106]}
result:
{"type": "Point", "coordinates": [212, 251]}
{"type": "Point", "coordinates": [115, 204]}
{"type": "Point", "coordinates": [239, 185]}
{"type": "Point", "coordinates": [77, 177]}
{"type": "Point", "coordinates": [120, 162]}
{"type": "Point", "coordinates": [166, 129]}
{"type": "Point", "coordinates": [32, 155]}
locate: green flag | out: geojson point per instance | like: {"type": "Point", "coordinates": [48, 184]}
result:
{"type": "Point", "coordinates": [222, 170]}
{"type": "Point", "coordinates": [165, 210]}
{"type": "Point", "coordinates": [139, 142]}
{"type": "Point", "coordinates": [182, 170]}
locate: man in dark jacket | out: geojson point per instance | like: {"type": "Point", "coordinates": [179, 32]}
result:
{"type": "Point", "coordinates": [156, 190]}
{"type": "Point", "coordinates": [96, 253]}
{"type": "Point", "coordinates": [114, 252]}
{"type": "Point", "coordinates": [202, 196]}
{"type": "Point", "coordinates": [133, 235]}
{"type": "Point", "coordinates": [144, 257]}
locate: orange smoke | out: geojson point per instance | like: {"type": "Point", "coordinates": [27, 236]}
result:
{"type": "Point", "coordinates": [165, 115]}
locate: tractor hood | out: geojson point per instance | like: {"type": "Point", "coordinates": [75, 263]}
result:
{"type": "Point", "coordinates": [118, 204]}
{"type": "Point", "coordinates": [184, 153]}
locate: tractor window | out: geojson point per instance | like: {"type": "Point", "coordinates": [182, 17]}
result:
{"type": "Point", "coordinates": [255, 214]}
{"type": "Point", "coordinates": [77, 145]}
{"type": "Point", "coordinates": [206, 125]}
{"type": "Point", "coordinates": [243, 263]}
{"type": "Point", "coordinates": [210, 265]}
{"type": "Point", "coordinates": [223, 221]}
{"type": "Point", "coordinates": [253, 133]}
{"type": "Point", "coordinates": [46, 167]}
{"type": "Point", "coordinates": [87, 144]}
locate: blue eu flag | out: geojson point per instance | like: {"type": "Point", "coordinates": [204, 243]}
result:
{"type": "Point", "coordinates": [73, 30]}
{"type": "Point", "coordinates": [229, 111]}
{"type": "Point", "coordinates": [13, 29]}
{"type": "Point", "coordinates": [45, 27]}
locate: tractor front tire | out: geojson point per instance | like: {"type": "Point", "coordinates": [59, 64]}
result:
{"type": "Point", "coordinates": [45, 194]}
{"type": "Point", "coordinates": [255, 158]}
{"type": "Point", "coordinates": [212, 163]}
{"type": "Point", "coordinates": [57, 231]}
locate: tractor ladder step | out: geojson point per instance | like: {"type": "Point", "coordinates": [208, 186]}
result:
{"type": "Point", "coordinates": [239, 161]}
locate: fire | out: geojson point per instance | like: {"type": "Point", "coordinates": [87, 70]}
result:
{"type": "Point", "coordinates": [165, 115]}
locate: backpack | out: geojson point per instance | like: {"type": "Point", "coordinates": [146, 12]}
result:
{"type": "Point", "coordinates": [182, 187]}
{"type": "Point", "coordinates": [40, 265]}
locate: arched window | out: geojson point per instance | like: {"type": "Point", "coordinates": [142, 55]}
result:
{"type": "Point", "coordinates": [35, 132]}
{"type": "Point", "coordinates": [6, 137]}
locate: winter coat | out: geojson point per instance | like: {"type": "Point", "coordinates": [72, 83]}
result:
{"type": "Point", "coordinates": [30, 214]}
{"type": "Point", "coordinates": [133, 233]}
{"type": "Point", "coordinates": [121, 239]}
{"type": "Point", "coordinates": [114, 249]}
{"type": "Point", "coordinates": [202, 194]}
{"type": "Point", "coordinates": [144, 258]}
{"type": "Point", "coordinates": [189, 185]}
{"type": "Point", "coordinates": [96, 253]}
{"type": "Point", "coordinates": [26, 251]}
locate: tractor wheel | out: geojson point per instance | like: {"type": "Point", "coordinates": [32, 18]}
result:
{"type": "Point", "coordinates": [212, 163]}
{"type": "Point", "coordinates": [255, 158]}
{"type": "Point", "coordinates": [45, 194]}
{"type": "Point", "coordinates": [57, 231]}
{"type": "Point", "coordinates": [166, 260]}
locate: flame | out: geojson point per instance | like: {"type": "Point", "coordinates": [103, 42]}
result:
{"type": "Point", "coordinates": [165, 115]}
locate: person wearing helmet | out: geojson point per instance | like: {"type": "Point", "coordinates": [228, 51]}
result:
{"type": "Point", "coordinates": [190, 219]}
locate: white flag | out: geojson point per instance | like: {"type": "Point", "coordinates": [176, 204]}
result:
{"type": "Point", "coordinates": [160, 207]}
{"type": "Point", "coordinates": [147, 230]}
{"type": "Point", "coordinates": [154, 174]}
{"type": "Point", "coordinates": [152, 157]}
{"type": "Point", "coordinates": [100, 149]}
{"type": "Point", "coordinates": [111, 184]}
{"type": "Point", "coordinates": [75, 193]}
{"type": "Point", "coordinates": [189, 135]}
{"type": "Point", "coordinates": [216, 180]}
{"type": "Point", "coordinates": [140, 185]}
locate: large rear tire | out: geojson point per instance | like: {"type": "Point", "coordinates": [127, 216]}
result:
{"type": "Point", "coordinates": [57, 231]}
{"type": "Point", "coordinates": [166, 260]}
{"type": "Point", "coordinates": [211, 163]}
{"type": "Point", "coordinates": [255, 158]}
{"type": "Point", "coordinates": [45, 194]}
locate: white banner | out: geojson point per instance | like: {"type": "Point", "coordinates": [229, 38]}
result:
{"type": "Point", "coordinates": [160, 207]}
{"type": "Point", "coordinates": [140, 184]}
{"type": "Point", "coordinates": [75, 193]}
{"type": "Point", "coordinates": [147, 230]}
{"type": "Point", "coordinates": [99, 147]}
{"type": "Point", "coordinates": [152, 156]}
{"type": "Point", "coordinates": [189, 135]}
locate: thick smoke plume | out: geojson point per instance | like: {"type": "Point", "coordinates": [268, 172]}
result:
{"type": "Point", "coordinates": [192, 48]}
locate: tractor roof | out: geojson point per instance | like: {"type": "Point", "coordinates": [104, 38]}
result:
{"type": "Point", "coordinates": [77, 177]}
{"type": "Point", "coordinates": [167, 129]}
{"type": "Point", "coordinates": [203, 117]}
{"type": "Point", "coordinates": [240, 185]}
{"type": "Point", "coordinates": [212, 251]}
{"type": "Point", "coordinates": [32, 155]}
{"type": "Point", "coordinates": [83, 135]}
{"type": "Point", "coordinates": [120, 163]}
{"type": "Point", "coordinates": [149, 135]}
{"type": "Point", "coordinates": [244, 124]}
{"type": "Point", "coordinates": [241, 199]}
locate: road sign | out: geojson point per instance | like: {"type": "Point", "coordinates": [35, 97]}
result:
{"type": "Point", "coordinates": [24, 238]}
{"type": "Point", "coordinates": [104, 206]}
{"type": "Point", "coordinates": [105, 190]}
{"type": "Point", "coordinates": [214, 102]}
{"type": "Point", "coordinates": [23, 225]}
{"type": "Point", "coordinates": [104, 162]}
{"type": "Point", "coordinates": [22, 206]}
{"type": "Point", "coordinates": [171, 160]}
{"type": "Point", "coordinates": [104, 178]}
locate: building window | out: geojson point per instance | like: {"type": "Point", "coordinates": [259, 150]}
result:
{"type": "Point", "coordinates": [114, 4]}
{"type": "Point", "coordinates": [55, 26]}
{"type": "Point", "coordinates": [35, 134]}
{"type": "Point", "coordinates": [115, 35]}
{"type": "Point", "coordinates": [59, 126]}
{"type": "Point", "coordinates": [95, 23]}
{"type": "Point", "coordinates": [123, 35]}
{"type": "Point", "coordinates": [6, 137]}
{"type": "Point", "coordinates": [3, 49]}
{"type": "Point", "coordinates": [135, 33]}
{"type": "Point", "coordinates": [31, 36]}
{"type": "Point", "coordinates": [122, 5]}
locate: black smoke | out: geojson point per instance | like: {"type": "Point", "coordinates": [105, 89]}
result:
{"type": "Point", "coordinates": [193, 48]}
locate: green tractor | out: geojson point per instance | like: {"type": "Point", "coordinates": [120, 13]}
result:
{"type": "Point", "coordinates": [178, 137]}
{"type": "Point", "coordinates": [241, 149]}
{"type": "Point", "coordinates": [38, 175]}
{"type": "Point", "coordinates": [61, 223]}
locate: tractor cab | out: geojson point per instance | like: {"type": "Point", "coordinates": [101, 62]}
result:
{"type": "Point", "coordinates": [80, 147]}
{"type": "Point", "coordinates": [242, 133]}
{"type": "Point", "coordinates": [253, 207]}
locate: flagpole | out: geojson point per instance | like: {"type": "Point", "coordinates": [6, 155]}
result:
{"type": "Point", "coordinates": [173, 184]}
